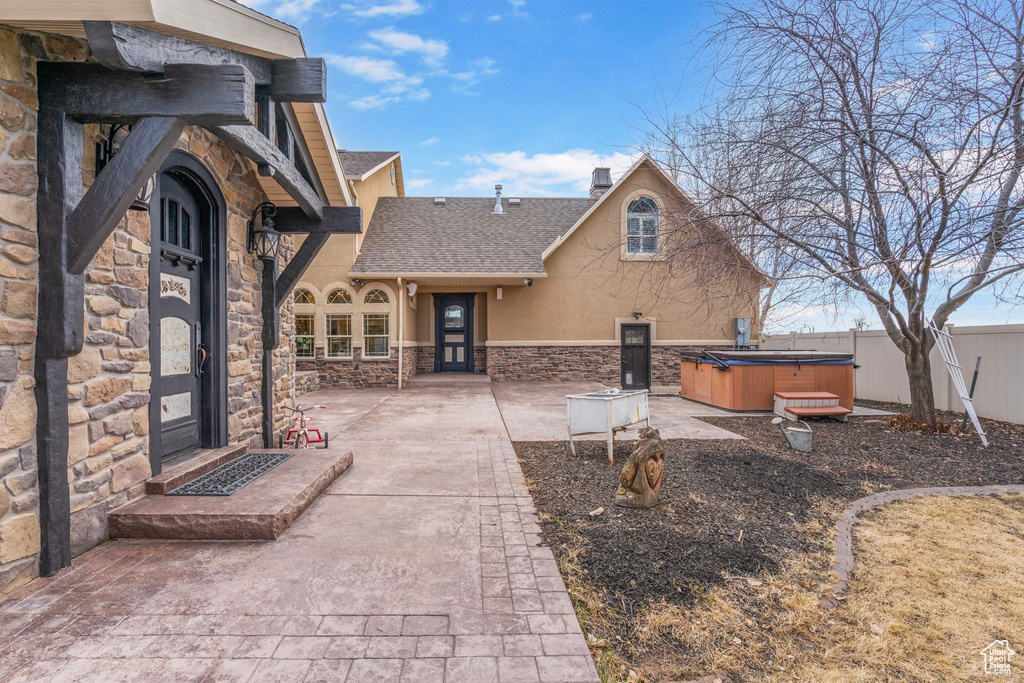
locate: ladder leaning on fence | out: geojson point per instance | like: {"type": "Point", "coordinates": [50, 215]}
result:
{"type": "Point", "coordinates": [944, 340]}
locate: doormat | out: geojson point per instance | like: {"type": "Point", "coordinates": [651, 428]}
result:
{"type": "Point", "coordinates": [231, 476]}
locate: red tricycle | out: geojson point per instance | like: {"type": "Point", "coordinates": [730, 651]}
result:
{"type": "Point", "coordinates": [301, 436]}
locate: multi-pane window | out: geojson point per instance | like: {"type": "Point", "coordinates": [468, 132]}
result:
{"type": "Point", "coordinates": [339, 335]}
{"type": "Point", "coordinates": [304, 334]}
{"type": "Point", "coordinates": [376, 296]}
{"type": "Point", "coordinates": [375, 335]}
{"type": "Point", "coordinates": [176, 224]}
{"type": "Point", "coordinates": [303, 296]}
{"type": "Point", "coordinates": [642, 218]}
{"type": "Point", "coordinates": [339, 296]}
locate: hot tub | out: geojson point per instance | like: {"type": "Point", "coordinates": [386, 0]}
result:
{"type": "Point", "coordinates": [736, 379]}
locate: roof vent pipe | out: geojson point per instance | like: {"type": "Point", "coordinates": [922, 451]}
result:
{"type": "Point", "coordinates": [497, 199]}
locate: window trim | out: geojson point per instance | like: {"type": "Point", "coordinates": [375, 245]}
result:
{"type": "Point", "coordinates": [295, 294]}
{"type": "Point", "coordinates": [383, 292]}
{"type": "Point", "coordinates": [311, 337]}
{"type": "Point", "coordinates": [332, 291]}
{"type": "Point", "coordinates": [624, 253]}
{"type": "Point", "coordinates": [365, 336]}
{"type": "Point", "coordinates": [328, 336]}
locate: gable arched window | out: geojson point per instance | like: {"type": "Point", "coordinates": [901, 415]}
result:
{"type": "Point", "coordinates": [303, 296]}
{"type": "Point", "coordinates": [376, 296]}
{"type": "Point", "coordinates": [642, 224]}
{"type": "Point", "coordinates": [339, 296]}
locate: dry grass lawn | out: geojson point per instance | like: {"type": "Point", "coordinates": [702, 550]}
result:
{"type": "Point", "coordinates": [939, 578]}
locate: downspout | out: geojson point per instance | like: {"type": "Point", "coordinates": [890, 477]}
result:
{"type": "Point", "coordinates": [401, 331]}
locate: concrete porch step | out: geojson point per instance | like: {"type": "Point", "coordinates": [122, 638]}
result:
{"type": "Point", "coordinates": [190, 469]}
{"type": "Point", "coordinates": [448, 379]}
{"type": "Point", "coordinates": [262, 509]}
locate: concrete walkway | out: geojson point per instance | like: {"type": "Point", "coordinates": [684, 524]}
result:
{"type": "Point", "coordinates": [422, 563]}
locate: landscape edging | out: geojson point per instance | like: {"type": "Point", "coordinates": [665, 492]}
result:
{"type": "Point", "coordinates": [843, 559]}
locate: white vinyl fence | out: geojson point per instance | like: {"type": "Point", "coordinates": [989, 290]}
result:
{"type": "Point", "coordinates": [882, 375]}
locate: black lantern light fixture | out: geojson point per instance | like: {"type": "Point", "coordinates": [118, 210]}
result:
{"type": "Point", "coordinates": [108, 144]}
{"type": "Point", "coordinates": [264, 241]}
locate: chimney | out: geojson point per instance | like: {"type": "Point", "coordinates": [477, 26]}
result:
{"type": "Point", "coordinates": [601, 182]}
{"type": "Point", "coordinates": [497, 199]}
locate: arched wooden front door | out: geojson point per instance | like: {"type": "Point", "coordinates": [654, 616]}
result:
{"type": "Point", "coordinates": [188, 316]}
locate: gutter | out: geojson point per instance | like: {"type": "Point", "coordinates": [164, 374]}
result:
{"type": "Point", "coordinates": [401, 330]}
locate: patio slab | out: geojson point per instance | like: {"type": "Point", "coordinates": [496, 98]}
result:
{"type": "Point", "coordinates": [535, 411]}
{"type": "Point", "coordinates": [402, 571]}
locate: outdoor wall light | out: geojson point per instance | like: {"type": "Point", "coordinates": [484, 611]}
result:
{"type": "Point", "coordinates": [107, 146]}
{"type": "Point", "coordinates": [264, 241]}
{"type": "Point", "coordinates": [412, 287]}
{"type": "Point", "coordinates": [528, 281]}
{"type": "Point", "coordinates": [637, 315]}
{"type": "Point", "coordinates": [356, 283]}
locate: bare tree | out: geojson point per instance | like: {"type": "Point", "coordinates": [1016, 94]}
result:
{"type": "Point", "coordinates": [873, 147]}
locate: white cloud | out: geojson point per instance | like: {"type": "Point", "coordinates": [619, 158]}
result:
{"type": "Point", "coordinates": [416, 183]}
{"type": "Point", "coordinates": [430, 141]}
{"type": "Point", "coordinates": [494, 17]}
{"type": "Point", "coordinates": [441, 163]}
{"type": "Point", "coordinates": [373, 70]}
{"type": "Point", "coordinates": [432, 51]}
{"type": "Point", "coordinates": [518, 8]}
{"type": "Point", "coordinates": [289, 10]}
{"type": "Point", "coordinates": [378, 8]}
{"type": "Point", "coordinates": [396, 84]}
{"type": "Point", "coordinates": [586, 16]}
{"type": "Point", "coordinates": [566, 172]}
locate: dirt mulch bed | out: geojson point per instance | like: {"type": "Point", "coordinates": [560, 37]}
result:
{"type": "Point", "coordinates": [737, 508]}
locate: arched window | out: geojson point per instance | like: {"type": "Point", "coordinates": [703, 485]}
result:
{"type": "Point", "coordinates": [642, 217]}
{"type": "Point", "coordinates": [303, 296]}
{"type": "Point", "coordinates": [376, 296]}
{"type": "Point", "coordinates": [339, 296]}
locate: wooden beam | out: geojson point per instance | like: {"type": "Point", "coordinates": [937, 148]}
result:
{"type": "Point", "coordinates": [337, 220]}
{"type": "Point", "coordinates": [61, 322]}
{"type": "Point", "coordinates": [201, 95]}
{"type": "Point", "coordinates": [117, 185]}
{"type": "Point", "coordinates": [311, 246]}
{"type": "Point", "coordinates": [299, 80]}
{"type": "Point", "coordinates": [253, 144]}
{"type": "Point", "coordinates": [129, 48]}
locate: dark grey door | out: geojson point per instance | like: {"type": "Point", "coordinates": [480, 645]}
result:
{"type": "Point", "coordinates": [636, 356]}
{"type": "Point", "coordinates": [182, 352]}
{"type": "Point", "coordinates": [453, 351]}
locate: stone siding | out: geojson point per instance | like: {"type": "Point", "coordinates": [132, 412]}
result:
{"type": "Point", "coordinates": [109, 381]}
{"type": "Point", "coordinates": [575, 363]}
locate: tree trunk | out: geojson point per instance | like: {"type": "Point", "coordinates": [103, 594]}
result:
{"type": "Point", "coordinates": [922, 395]}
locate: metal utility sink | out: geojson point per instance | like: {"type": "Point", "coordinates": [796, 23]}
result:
{"type": "Point", "coordinates": [605, 412]}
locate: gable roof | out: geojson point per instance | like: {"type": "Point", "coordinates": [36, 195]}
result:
{"type": "Point", "coordinates": [413, 235]}
{"type": "Point", "coordinates": [639, 162]}
{"type": "Point", "coordinates": [360, 165]}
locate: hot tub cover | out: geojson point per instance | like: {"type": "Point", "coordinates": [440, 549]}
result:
{"type": "Point", "coordinates": [766, 357]}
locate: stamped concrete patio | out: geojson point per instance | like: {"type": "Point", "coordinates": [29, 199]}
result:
{"type": "Point", "coordinates": [422, 563]}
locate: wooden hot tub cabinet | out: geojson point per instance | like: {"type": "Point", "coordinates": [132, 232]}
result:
{"type": "Point", "coordinates": [751, 383]}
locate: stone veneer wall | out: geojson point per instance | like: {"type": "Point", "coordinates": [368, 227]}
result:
{"type": "Point", "coordinates": [356, 373]}
{"type": "Point", "coordinates": [109, 382]}
{"type": "Point", "coordinates": [575, 363]}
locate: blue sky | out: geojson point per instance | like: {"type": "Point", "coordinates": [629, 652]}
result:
{"type": "Point", "coordinates": [527, 93]}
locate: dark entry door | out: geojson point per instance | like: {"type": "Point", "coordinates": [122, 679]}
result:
{"type": "Point", "coordinates": [182, 352]}
{"type": "Point", "coordinates": [453, 351]}
{"type": "Point", "coordinates": [636, 356]}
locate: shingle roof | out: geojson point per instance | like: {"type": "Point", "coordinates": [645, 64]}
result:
{"type": "Point", "coordinates": [413, 235]}
{"type": "Point", "coordinates": [358, 163]}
